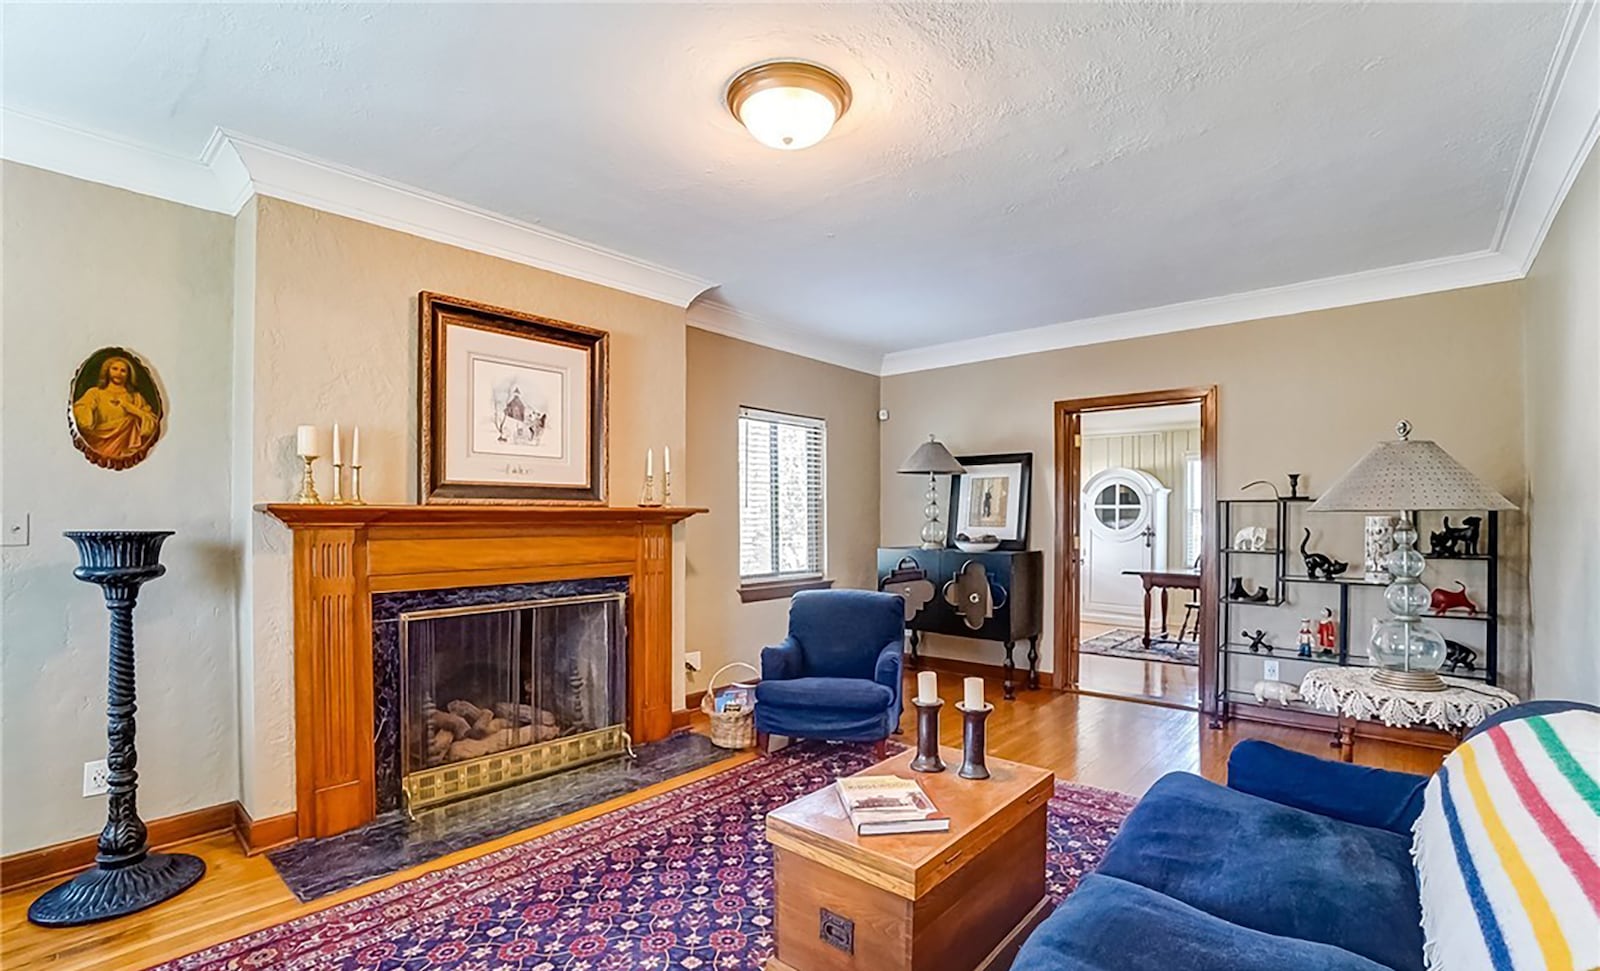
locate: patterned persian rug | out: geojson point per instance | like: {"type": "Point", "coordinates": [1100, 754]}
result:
{"type": "Point", "coordinates": [682, 880]}
{"type": "Point", "coordinates": [1123, 642]}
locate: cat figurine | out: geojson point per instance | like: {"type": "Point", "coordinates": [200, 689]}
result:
{"type": "Point", "coordinates": [1320, 562]}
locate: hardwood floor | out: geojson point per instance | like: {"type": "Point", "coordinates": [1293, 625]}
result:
{"type": "Point", "coordinates": [1097, 741]}
{"type": "Point", "coordinates": [1127, 677]}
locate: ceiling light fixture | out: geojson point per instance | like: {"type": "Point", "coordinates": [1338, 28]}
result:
{"type": "Point", "coordinates": [788, 104]}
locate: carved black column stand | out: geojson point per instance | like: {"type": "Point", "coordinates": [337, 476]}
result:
{"type": "Point", "coordinates": [927, 759]}
{"type": "Point", "coordinates": [126, 876]}
{"type": "Point", "coordinates": [973, 740]}
{"type": "Point", "coordinates": [1009, 686]}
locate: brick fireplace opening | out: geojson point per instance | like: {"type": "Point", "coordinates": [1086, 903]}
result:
{"type": "Point", "coordinates": [357, 569]}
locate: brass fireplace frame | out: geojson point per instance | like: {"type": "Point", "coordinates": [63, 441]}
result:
{"type": "Point", "coordinates": [457, 780]}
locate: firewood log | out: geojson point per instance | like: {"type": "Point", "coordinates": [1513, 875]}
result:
{"type": "Point", "coordinates": [480, 724]}
{"type": "Point", "coordinates": [450, 722]}
{"type": "Point", "coordinates": [465, 709]}
{"type": "Point", "coordinates": [439, 745]}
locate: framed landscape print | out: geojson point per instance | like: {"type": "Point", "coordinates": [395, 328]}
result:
{"type": "Point", "coordinates": [114, 409]}
{"type": "Point", "coordinates": [513, 405]}
{"type": "Point", "coordinates": [991, 498]}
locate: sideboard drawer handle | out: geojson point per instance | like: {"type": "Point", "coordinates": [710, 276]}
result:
{"type": "Point", "coordinates": [1035, 798]}
{"type": "Point", "coordinates": [953, 857]}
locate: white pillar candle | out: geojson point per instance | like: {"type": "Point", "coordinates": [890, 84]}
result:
{"type": "Point", "coordinates": [650, 462]}
{"type": "Point", "coordinates": [927, 687]}
{"type": "Point", "coordinates": [355, 447]}
{"type": "Point", "coordinates": [336, 459]}
{"type": "Point", "coordinates": [973, 695]}
{"type": "Point", "coordinates": [305, 441]}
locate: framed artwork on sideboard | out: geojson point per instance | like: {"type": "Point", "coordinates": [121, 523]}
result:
{"type": "Point", "coordinates": [991, 498]}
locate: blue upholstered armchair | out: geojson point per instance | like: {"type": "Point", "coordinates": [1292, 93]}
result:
{"type": "Point", "coordinates": [837, 675]}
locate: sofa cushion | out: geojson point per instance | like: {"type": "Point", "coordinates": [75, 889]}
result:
{"type": "Point", "coordinates": [1274, 869]}
{"type": "Point", "coordinates": [845, 694]}
{"type": "Point", "coordinates": [1112, 925]}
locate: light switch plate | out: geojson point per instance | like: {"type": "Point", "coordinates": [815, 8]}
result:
{"type": "Point", "coordinates": [1269, 669]}
{"type": "Point", "coordinates": [15, 531]}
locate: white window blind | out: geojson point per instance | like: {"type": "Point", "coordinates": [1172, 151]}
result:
{"type": "Point", "coordinates": [780, 494]}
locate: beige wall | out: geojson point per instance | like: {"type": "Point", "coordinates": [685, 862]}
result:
{"type": "Point", "coordinates": [724, 374]}
{"type": "Point", "coordinates": [1309, 393]}
{"type": "Point", "coordinates": [335, 339]}
{"type": "Point", "coordinates": [86, 266]}
{"type": "Point", "coordinates": [1562, 344]}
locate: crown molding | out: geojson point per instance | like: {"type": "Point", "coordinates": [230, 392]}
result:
{"type": "Point", "coordinates": [1559, 139]}
{"type": "Point", "coordinates": [1369, 286]}
{"type": "Point", "coordinates": [107, 160]}
{"type": "Point", "coordinates": [709, 313]}
{"type": "Point", "coordinates": [284, 174]}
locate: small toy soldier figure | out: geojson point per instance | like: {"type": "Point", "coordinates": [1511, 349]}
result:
{"type": "Point", "coordinates": [1327, 633]}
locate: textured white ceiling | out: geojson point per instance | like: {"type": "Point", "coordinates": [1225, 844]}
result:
{"type": "Point", "coordinates": [1001, 167]}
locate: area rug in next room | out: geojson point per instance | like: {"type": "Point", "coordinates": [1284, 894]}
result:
{"type": "Point", "coordinates": [682, 880]}
{"type": "Point", "coordinates": [1122, 642]}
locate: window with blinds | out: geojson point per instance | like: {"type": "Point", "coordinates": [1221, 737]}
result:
{"type": "Point", "coordinates": [780, 495]}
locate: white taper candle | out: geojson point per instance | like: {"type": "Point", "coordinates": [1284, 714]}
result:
{"type": "Point", "coordinates": [355, 447]}
{"type": "Point", "coordinates": [336, 450]}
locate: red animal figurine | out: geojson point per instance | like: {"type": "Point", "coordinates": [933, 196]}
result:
{"type": "Point", "coordinates": [1444, 600]}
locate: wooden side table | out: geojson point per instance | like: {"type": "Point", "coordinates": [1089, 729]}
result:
{"type": "Point", "coordinates": [965, 899]}
{"type": "Point", "coordinates": [1426, 719]}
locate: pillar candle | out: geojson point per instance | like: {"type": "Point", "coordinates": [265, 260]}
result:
{"type": "Point", "coordinates": [336, 459]}
{"type": "Point", "coordinates": [305, 441]}
{"type": "Point", "coordinates": [927, 687]}
{"type": "Point", "coordinates": [355, 447]}
{"type": "Point", "coordinates": [973, 697]}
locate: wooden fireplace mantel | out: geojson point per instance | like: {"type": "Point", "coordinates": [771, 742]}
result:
{"type": "Point", "coordinates": [343, 554]}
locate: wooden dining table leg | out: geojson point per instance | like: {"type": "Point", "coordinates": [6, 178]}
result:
{"type": "Point", "coordinates": [1164, 612]}
{"type": "Point", "coordinates": [1147, 614]}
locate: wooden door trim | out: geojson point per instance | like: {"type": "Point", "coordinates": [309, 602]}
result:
{"type": "Point", "coordinates": [1069, 482]}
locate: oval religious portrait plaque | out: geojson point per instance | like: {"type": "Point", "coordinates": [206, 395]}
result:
{"type": "Point", "coordinates": [115, 412]}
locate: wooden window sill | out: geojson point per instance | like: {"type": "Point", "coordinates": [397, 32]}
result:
{"type": "Point", "coordinates": [780, 589]}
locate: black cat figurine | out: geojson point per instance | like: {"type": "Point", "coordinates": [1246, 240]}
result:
{"type": "Point", "coordinates": [1320, 562]}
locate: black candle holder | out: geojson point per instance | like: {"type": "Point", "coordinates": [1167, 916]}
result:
{"type": "Point", "coordinates": [973, 740]}
{"type": "Point", "coordinates": [126, 876]}
{"type": "Point", "coordinates": [927, 759]}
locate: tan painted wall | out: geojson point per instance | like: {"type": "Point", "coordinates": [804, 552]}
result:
{"type": "Point", "coordinates": [85, 266]}
{"type": "Point", "coordinates": [335, 339]}
{"type": "Point", "coordinates": [1309, 393]}
{"type": "Point", "coordinates": [723, 374]}
{"type": "Point", "coordinates": [1562, 307]}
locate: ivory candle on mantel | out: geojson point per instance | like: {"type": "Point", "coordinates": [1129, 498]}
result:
{"type": "Point", "coordinates": [973, 695]}
{"type": "Point", "coordinates": [666, 459]}
{"type": "Point", "coordinates": [355, 447]}
{"type": "Point", "coordinates": [650, 461]}
{"type": "Point", "coordinates": [927, 687]}
{"type": "Point", "coordinates": [305, 441]}
{"type": "Point", "coordinates": [336, 459]}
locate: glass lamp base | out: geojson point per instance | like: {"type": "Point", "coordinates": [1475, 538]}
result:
{"type": "Point", "coordinates": [1409, 680]}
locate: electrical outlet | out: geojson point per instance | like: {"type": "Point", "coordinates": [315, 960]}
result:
{"type": "Point", "coordinates": [1269, 669]}
{"type": "Point", "coordinates": [95, 782]}
{"type": "Point", "coordinates": [692, 660]}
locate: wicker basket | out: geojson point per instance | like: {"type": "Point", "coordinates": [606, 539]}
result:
{"type": "Point", "coordinates": [729, 729]}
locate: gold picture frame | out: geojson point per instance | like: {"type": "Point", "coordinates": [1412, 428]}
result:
{"type": "Point", "coordinates": [513, 406]}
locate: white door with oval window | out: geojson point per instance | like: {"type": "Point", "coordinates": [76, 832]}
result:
{"type": "Point", "coordinates": [1124, 527]}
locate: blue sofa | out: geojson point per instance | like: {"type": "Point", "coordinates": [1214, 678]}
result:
{"type": "Point", "coordinates": [1297, 863]}
{"type": "Point", "coordinates": [837, 675]}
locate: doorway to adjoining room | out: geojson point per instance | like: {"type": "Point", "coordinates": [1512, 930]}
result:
{"type": "Point", "coordinates": [1133, 617]}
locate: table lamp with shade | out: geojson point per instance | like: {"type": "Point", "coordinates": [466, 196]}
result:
{"type": "Point", "coordinates": [932, 459]}
{"type": "Point", "coordinates": [1402, 477]}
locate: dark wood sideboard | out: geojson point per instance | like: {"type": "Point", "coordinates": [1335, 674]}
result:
{"type": "Point", "coordinates": [1015, 608]}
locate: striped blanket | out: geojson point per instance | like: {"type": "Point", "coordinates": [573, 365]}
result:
{"type": "Point", "coordinates": [1507, 849]}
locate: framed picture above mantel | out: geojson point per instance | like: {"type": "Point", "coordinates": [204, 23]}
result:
{"type": "Point", "coordinates": [512, 405]}
{"type": "Point", "coordinates": [990, 499]}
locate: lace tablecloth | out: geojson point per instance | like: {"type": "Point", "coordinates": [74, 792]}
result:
{"type": "Point", "coordinates": [1352, 692]}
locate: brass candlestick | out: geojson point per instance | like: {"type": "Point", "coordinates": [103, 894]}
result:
{"type": "Point", "coordinates": [308, 486]}
{"type": "Point", "coordinates": [927, 759]}
{"type": "Point", "coordinates": [647, 496]}
{"type": "Point", "coordinates": [338, 484]}
{"type": "Point", "coordinates": [973, 741]}
{"type": "Point", "coordinates": [355, 486]}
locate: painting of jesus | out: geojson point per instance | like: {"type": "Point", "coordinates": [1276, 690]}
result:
{"type": "Point", "coordinates": [116, 411]}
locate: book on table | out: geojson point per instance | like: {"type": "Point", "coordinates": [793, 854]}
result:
{"type": "Point", "coordinates": [880, 805]}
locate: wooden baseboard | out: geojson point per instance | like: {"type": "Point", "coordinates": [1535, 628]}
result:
{"type": "Point", "coordinates": [257, 836]}
{"type": "Point", "coordinates": [977, 669]}
{"type": "Point", "coordinates": [682, 718]}
{"type": "Point", "coordinates": [64, 859]}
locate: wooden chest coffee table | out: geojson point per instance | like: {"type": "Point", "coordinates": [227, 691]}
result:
{"type": "Point", "coordinates": [952, 901]}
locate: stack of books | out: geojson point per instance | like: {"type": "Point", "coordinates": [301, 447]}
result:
{"type": "Point", "coordinates": [734, 699]}
{"type": "Point", "coordinates": [879, 805]}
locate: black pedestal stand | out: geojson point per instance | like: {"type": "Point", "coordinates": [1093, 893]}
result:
{"type": "Point", "coordinates": [927, 759]}
{"type": "Point", "coordinates": [973, 740]}
{"type": "Point", "coordinates": [126, 876]}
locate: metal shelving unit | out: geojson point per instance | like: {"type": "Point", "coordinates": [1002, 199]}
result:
{"type": "Point", "coordinates": [1233, 695]}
